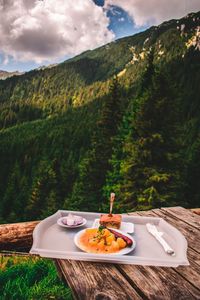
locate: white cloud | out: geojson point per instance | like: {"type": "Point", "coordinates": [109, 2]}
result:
{"type": "Point", "coordinates": [35, 30]}
{"type": "Point", "coordinates": [4, 59]}
{"type": "Point", "coordinates": [145, 12]}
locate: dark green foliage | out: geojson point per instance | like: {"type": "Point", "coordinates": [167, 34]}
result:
{"type": "Point", "coordinates": [39, 167]}
{"type": "Point", "coordinates": [87, 191]}
{"type": "Point", "coordinates": [191, 113]}
{"type": "Point", "coordinates": [150, 170]}
{"type": "Point", "coordinates": [18, 113]}
{"type": "Point", "coordinates": [27, 279]}
{"type": "Point", "coordinates": [71, 134]}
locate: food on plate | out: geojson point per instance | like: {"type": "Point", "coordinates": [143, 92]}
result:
{"type": "Point", "coordinates": [72, 220]}
{"type": "Point", "coordinates": [111, 221]}
{"type": "Point", "coordinates": [119, 235]}
{"type": "Point", "coordinates": [102, 240]}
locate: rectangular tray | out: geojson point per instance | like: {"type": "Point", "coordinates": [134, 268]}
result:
{"type": "Point", "coordinates": [51, 240]}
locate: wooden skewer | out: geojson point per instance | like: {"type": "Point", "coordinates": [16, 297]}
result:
{"type": "Point", "coordinates": [112, 199]}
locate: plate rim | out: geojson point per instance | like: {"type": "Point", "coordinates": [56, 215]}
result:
{"type": "Point", "coordinates": [70, 226]}
{"type": "Point", "coordinates": [94, 225]}
{"type": "Point", "coordinates": [121, 252]}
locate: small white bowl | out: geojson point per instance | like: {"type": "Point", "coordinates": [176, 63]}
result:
{"type": "Point", "coordinates": [60, 223]}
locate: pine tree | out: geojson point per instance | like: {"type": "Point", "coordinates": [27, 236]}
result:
{"type": "Point", "coordinates": [87, 191]}
{"type": "Point", "coordinates": [151, 166]}
{"type": "Point", "coordinates": [12, 191]}
{"type": "Point", "coordinates": [44, 195]}
{"type": "Point", "coordinates": [115, 177]}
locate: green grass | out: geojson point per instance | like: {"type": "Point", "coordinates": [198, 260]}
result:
{"type": "Point", "coordinates": [25, 278]}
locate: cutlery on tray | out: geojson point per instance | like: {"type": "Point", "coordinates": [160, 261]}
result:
{"type": "Point", "coordinates": [158, 235]}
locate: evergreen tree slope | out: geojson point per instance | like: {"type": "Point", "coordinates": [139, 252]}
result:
{"type": "Point", "coordinates": [122, 118]}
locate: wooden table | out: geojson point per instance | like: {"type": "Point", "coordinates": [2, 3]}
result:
{"type": "Point", "coordinates": [98, 281]}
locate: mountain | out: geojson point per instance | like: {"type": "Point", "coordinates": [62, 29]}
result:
{"type": "Point", "coordinates": [123, 118]}
{"type": "Point", "coordinates": [4, 74]}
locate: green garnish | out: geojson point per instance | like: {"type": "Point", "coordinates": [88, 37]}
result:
{"type": "Point", "coordinates": [100, 229]}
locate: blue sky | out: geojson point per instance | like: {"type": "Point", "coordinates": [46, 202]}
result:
{"type": "Point", "coordinates": [35, 33]}
{"type": "Point", "coordinates": [120, 21]}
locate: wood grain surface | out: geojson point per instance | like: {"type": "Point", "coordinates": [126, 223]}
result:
{"type": "Point", "coordinates": [17, 236]}
{"type": "Point", "coordinates": [196, 210]}
{"type": "Point", "coordinates": [96, 281]}
{"type": "Point", "coordinates": [159, 283]}
{"type": "Point", "coordinates": [185, 215]}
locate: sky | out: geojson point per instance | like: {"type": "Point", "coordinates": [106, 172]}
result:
{"type": "Point", "coordinates": [34, 33]}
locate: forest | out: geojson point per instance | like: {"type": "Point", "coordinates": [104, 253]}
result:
{"type": "Point", "coordinates": [122, 118]}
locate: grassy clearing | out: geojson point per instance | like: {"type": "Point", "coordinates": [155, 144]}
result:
{"type": "Point", "coordinates": [25, 278]}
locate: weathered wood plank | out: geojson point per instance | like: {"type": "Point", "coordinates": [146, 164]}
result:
{"type": "Point", "coordinates": [159, 283]}
{"type": "Point", "coordinates": [15, 253]}
{"type": "Point", "coordinates": [96, 281]}
{"type": "Point", "coordinates": [194, 257]}
{"type": "Point", "coordinates": [190, 273]}
{"type": "Point", "coordinates": [195, 210]}
{"type": "Point", "coordinates": [184, 214]}
{"type": "Point", "coordinates": [17, 236]}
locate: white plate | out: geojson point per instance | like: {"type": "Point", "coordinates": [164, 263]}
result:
{"type": "Point", "coordinates": [121, 252]}
{"type": "Point", "coordinates": [125, 226]}
{"type": "Point", "coordinates": [60, 223]}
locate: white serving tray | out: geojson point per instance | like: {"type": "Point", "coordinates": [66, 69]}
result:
{"type": "Point", "coordinates": [51, 240]}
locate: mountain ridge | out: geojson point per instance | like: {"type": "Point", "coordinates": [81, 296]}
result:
{"type": "Point", "coordinates": [5, 74]}
{"type": "Point", "coordinates": [163, 24]}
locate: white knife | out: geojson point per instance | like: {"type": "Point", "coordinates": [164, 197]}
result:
{"type": "Point", "coordinates": [158, 235]}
